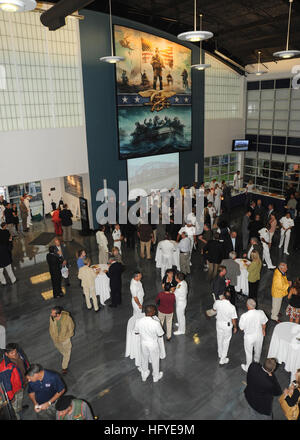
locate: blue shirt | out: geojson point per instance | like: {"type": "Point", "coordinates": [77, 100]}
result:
{"type": "Point", "coordinates": [46, 388]}
{"type": "Point", "coordinates": [80, 262]}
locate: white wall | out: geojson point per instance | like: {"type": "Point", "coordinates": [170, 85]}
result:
{"type": "Point", "coordinates": [219, 133]}
{"type": "Point", "coordinates": [48, 195]}
{"type": "Point", "coordinates": [41, 154]}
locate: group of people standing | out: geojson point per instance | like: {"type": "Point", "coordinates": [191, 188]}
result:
{"type": "Point", "coordinates": [9, 214]}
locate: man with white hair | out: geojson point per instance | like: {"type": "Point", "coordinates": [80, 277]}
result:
{"type": "Point", "coordinates": [233, 269]}
{"type": "Point", "coordinates": [253, 323]}
{"type": "Point", "coordinates": [184, 247]}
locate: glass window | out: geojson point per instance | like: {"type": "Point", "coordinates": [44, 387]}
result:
{"type": "Point", "coordinates": [215, 160]}
{"type": "Point", "coordinates": [250, 162]}
{"type": "Point", "coordinates": [206, 161]}
{"type": "Point", "coordinates": [250, 171]}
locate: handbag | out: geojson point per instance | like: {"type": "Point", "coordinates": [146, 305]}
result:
{"type": "Point", "coordinates": [64, 272]}
{"type": "Point", "coordinates": [290, 412]}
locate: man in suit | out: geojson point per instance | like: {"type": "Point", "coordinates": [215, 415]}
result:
{"type": "Point", "coordinates": [245, 228]}
{"type": "Point", "coordinates": [260, 210]}
{"type": "Point", "coordinates": [214, 253]}
{"type": "Point", "coordinates": [55, 261]}
{"type": "Point", "coordinates": [270, 211]}
{"type": "Point", "coordinates": [233, 243]}
{"type": "Point", "coordinates": [114, 274]}
{"type": "Point", "coordinates": [262, 386]}
{"type": "Point", "coordinates": [252, 208]}
{"type": "Point", "coordinates": [61, 250]}
{"type": "Point", "coordinates": [254, 245]}
{"type": "Point", "coordinates": [232, 268]}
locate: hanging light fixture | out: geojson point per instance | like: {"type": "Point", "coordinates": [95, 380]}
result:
{"type": "Point", "coordinates": [195, 35]}
{"type": "Point", "coordinates": [113, 59]}
{"type": "Point", "coordinates": [288, 53]}
{"type": "Point", "coordinates": [17, 5]}
{"type": "Point", "coordinates": [259, 72]}
{"type": "Point", "coordinates": [200, 66]}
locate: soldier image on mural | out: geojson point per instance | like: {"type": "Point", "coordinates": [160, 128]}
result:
{"type": "Point", "coordinates": [154, 94]}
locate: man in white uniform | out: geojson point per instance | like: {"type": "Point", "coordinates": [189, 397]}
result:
{"type": "Point", "coordinates": [286, 225]}
{"type": "Point", "coordinates": [137, 293]}
{"type": "Point", "coordinates": [237, 180]}
{"type": "Point", "coordinates": [27, 198]}
{"type": "Point", "coordinates": [212, 213]}
{"type": "Point", "coordinates": [150, 331]}
{"type": "Point", "coordinates": [253, 323]}
{"type": "Point", "coordinates": [226, 319]}
{"type": "Point", "coordinates": [164, 255]}
{"type": "Point", "coordinates": [180, 292]}
{"type": "Point", "coordinates": [265, 238]}
{"type": "Point", "coordinates": [117, 237]}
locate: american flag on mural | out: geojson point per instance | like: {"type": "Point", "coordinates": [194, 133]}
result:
{"type": "Point", "coordinates": [146, 51]}
{"type": "Point", "coordinates": [167, 55]}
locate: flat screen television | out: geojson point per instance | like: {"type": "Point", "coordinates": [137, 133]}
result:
{"type": "Point", "coordinates": [240, 145]}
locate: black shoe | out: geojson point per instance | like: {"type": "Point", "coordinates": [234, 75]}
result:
{"type": "Point", "coordinates": [96, 311]}
{"type": "Point", "coordinates": [112, 305]}
{"type": "Point", "coordinates": [25, 407]}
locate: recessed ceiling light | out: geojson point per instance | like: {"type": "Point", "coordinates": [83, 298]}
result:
{"type": "Point", "coordinates": [17, 5]}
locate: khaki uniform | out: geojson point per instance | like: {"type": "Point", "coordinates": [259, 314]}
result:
{"type": "Point", "coordinates": [61, 336]}
{"type": "Point", "coordinates": [87, 276]}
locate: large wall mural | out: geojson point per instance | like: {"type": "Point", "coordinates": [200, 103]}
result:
{"type": "Point", "coordinates": [153, 94]}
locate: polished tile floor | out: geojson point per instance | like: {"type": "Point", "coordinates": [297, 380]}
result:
{"type": "Point", "coordinates": [194, 386]}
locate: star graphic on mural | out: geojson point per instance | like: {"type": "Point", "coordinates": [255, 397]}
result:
{"type": "Point", "coordinates": [186, 99]}
{"type": "Point", "coordinates": [125, 99]}
{"type": "Point", "coordinates": [176, 99]}
{"type": "Point", "coordinates": [137, 99]}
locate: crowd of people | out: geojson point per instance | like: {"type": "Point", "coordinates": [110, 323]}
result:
{"type": "Point", "coordinates": [222, 248]}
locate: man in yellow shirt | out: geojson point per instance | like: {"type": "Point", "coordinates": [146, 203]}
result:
{"type": "Point", "coordinates": [280, 286]}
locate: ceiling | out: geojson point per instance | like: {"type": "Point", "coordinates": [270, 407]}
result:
{"type": "Point", "coordinates": [240, 27]}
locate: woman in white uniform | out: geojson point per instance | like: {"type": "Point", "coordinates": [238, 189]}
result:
{"type": "Point", "coordinates": [217, 203]}
{"type": "Point", "coordinates": [117, 237]}
{"type": "Point", "coordinates": [181, 300]}
{"type": "Point", "coordinates": [137, 298]}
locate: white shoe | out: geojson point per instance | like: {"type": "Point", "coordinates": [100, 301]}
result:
{"type": "Point", "coordinates": [286, 252]}
{"type": "Point", "coordinates": [176, 323]}
{"type": "Point", "coordinates": [224, 361]}
{"type": "Point", "coordinates": [145, 376]}
{"type": "Point", "coordinates": [272, 267]}
{"type": "Point", "coordinates": [205, 269]}
{"type": "Point", "coordinates": [244, 367]}
{"type": "Point", "coordinates": [178, 333]}
{"type": "Point", "coordinates": [160, 375]}
{"type": "Point", "coordinates": [279, 247]}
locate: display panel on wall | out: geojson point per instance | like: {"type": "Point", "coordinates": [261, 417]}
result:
{"type": "Point", "coordinates": [152, 173]}
{"type": "Point", "coordinates": [153, 94]}
{"type": "Point", "coordinates": [73, 185]}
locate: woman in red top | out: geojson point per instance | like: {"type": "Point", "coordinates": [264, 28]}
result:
{"type": "Point", "coordinates": [57, 222]}
{"type": "Point", "coordinates": [166, 302]}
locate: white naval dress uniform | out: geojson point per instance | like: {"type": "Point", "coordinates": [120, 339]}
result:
{"type": "Point", "coordinates": [217, 203]}
{"type": "Point", "coordinates": [181, 292]}
{"type": "Point", "coordinates": [133, 340]}
{"type": "Point", "coordinates": [164, 255]}
{"type": "Point", "coordinates": [212, 211]}
{"type": "Point", "coordinates": [116, 235]}
{"type": "Point", "coordinates": [236, 181]}
{"type": "Point", "coordinates": [265, 234]}
{"type": "Point", "coordinates": [150, 330]}
{"type": "Point", "coordinates": [284, 233]}
{"type": "Point", "coordinates": [251, 322]}
{"type": "Point", "coordinates": [27, 204]}
{"type": "Point", "coordinates": [226, 312]}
